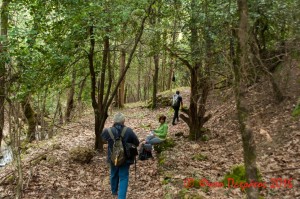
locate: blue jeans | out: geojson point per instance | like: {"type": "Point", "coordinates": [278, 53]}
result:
{"type": "Point", "coordinates": [119, 177]}
{"type": "Point", "coordinates": [151, 139]}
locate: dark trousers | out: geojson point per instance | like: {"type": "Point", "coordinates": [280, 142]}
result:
{"type": "Point", "coordinates": [176, 111]}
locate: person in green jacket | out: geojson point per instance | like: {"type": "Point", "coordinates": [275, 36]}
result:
{"type": "Point", "coordinates": [158, 135]}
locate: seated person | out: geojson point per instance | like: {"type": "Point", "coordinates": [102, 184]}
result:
{"type": "Point", "coordinates": [158, 135]}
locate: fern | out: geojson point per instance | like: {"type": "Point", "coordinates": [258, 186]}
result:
{"type": "Point", "coordinates": [296, 111]}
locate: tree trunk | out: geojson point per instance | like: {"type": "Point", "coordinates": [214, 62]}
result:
{"type": "Point", "coordinates": [79, 99]}
{"type": "Point", "coordinates": [163, 67]}
{"type": "Point", "coordinates": [172, 61]}
{"type": "Point", "coordinates": [249, 147]}
{"type": "Point", "coordinates": [56, 113]}
{"type": "Point", "coordinates": [154, 20]}
{"type": "Point", "coordinates": [139, 79]}
{"type": "Point", "coordinates": [122, 86]}
{"type": "Point", "coordinates": [125, 93]}
{"type": "Point", "coordinates": [93, 89]}
{"type": "Point", "coordinates": [41, 115]}
{"type": "Point", "coordinates": [199, 85]}
{"type": "Point", "coordinates": [3, 61]}
{"type": "Point", "coordinates": [31, 119]}
{"type": "Point", "coordinates": [70, 100]}
{"type": "Point", "coordinates": [155, 80]}
{"type": "Point", "coordinates": [193, 121]}
{"type": "Point", "coordinates": [15, 135]}
{"type": "Point", "coordinates": [276, 90]}
{"type": "Point", "coordinates": [113, 76]}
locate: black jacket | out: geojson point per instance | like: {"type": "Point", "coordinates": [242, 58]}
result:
{"type": "Point", "coordinates": [129, 137]}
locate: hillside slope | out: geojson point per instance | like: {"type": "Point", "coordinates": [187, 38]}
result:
{"type": "Point", "coordinates": [50, 173]}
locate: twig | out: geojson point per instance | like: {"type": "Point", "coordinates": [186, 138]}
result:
{"type": "Point", "coordinates": [62, 127]}
{"type": "Point", "coordinates": [285, 169]}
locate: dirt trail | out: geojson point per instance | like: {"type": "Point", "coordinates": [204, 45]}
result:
{"type": "Point", "coordinates": [58, 177]}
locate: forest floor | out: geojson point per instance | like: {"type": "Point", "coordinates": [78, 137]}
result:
{"type": "Point", "coordinates": [277, 136]}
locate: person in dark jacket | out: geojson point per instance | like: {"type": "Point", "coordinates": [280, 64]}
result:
{"type": "Point", "coordinates": [119, 175]}
{"type": "Point", "coordinates": [176, 106]}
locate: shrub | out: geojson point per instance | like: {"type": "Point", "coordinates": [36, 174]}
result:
{"type": "Point", "coordinates": [199, 157]}
{"type": "Point", "coordinates": [82, 154]}
{"type": "Point", "coordinates": [167, 144]}
{"type": "Point", "coordinates": [238, 173]}
{"type": "Point", "coordinates": [296, 111]}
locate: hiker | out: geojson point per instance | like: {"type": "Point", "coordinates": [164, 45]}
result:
{"type": "Point", "coordinates": [176, 102]}
{"type": "Point", "coordinates": [119, 175]}
{"type": "Point", "coordinates": [158, 135]}
{"type": "Point", "coordinates": [155, 137]}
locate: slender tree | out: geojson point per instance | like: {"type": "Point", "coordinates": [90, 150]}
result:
{"type": "Point", "coordinates": [249, 148]}
{"type": "Point", "coordinates": [3, 60]}
{"type": "Point", "coordinates": [154, 21]}
{"type": "Point", "coordinates": [102, 98]}
{"type": "Point", "coordinates": [70, 100]}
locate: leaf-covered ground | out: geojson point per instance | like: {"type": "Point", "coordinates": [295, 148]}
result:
{"type": "Point", "coordinates": [48, 171]}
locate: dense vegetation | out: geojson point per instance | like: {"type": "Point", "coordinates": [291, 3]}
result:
{"type": "Point", "coordinates": [58, 58]}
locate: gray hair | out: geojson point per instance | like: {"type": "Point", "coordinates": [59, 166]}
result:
{"type": "Point", "coordinates": [119, 118]}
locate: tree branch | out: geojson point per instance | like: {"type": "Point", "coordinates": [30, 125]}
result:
{"type": "Point", "coordinates": [137, 40]}
{"type": "Point", "coordinates": [184, 61]}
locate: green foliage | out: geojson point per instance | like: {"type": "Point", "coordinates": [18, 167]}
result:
{"type": "Point", "coordinates": [199, 157]}
{"type": "Point", "coordinates": [161, 159]}
{"type": "Point", "coordinates": [238, 173]}
{"type": "Point", "coordinates": [166, 181]}
{"type": "Point", "coordinates": [204, 137]}
{"type": "Point", "coordinates": [185, 194]}
{"type": "Point", "coordinates": [296, 111]}
{"type": "Point", "coordinates": [165, 145]}
{"type": "Point", "coordinates": [197, 183]}
{"type": "Point", "coordinates": [182, 193]}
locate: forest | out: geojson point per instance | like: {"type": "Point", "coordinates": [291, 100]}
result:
{"type": "Point", "coordinates": [67, 67]}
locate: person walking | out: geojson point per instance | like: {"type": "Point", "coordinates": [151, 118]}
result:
{"type": "Point", "coordinates": [119, 175]}
{"type": "Point", "coordinates": [176, 102]}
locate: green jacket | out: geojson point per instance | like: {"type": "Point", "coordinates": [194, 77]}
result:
{"type": "Point", "coordinates": [162, 131]}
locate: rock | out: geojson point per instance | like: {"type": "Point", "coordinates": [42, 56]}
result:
{"type": "Point", "coordinates": [1, 155]}
{"type": "Point", "coordinates": [266, 134]}
{"type": "Point", "coordinates": [195, 146]}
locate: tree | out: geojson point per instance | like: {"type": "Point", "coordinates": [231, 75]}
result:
{"type": "Point", "coordinates": [70, 99]}
{"type": "Point", "coordinates": [241, 62]}
{"type": "Point", "coordinates": [4, 59]}
{"type": "Point", "coordinates": [154, 20]}
{"type": "Point", "coordinates": [102, 98]}
{"type": "Point", "coordinates": [198, 69]}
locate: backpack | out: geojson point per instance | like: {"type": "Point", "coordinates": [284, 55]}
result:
{"type": "Point", "coordinates": [175, 101]}
{"type": "Point", "coordinates": [118, 153]}
{"type": "Point", "coordinates": [145, 152]}
{"type": "Point", "coordinates": [131, 150]}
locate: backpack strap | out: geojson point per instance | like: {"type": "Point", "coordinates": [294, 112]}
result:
{"type": "Point", "coordinates": [111, 134]}
{"type": "Point", "coordinates": [123, 131]}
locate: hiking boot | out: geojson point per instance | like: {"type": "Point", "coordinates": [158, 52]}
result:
{"type": "Point", "coordinates": [173, 123]}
